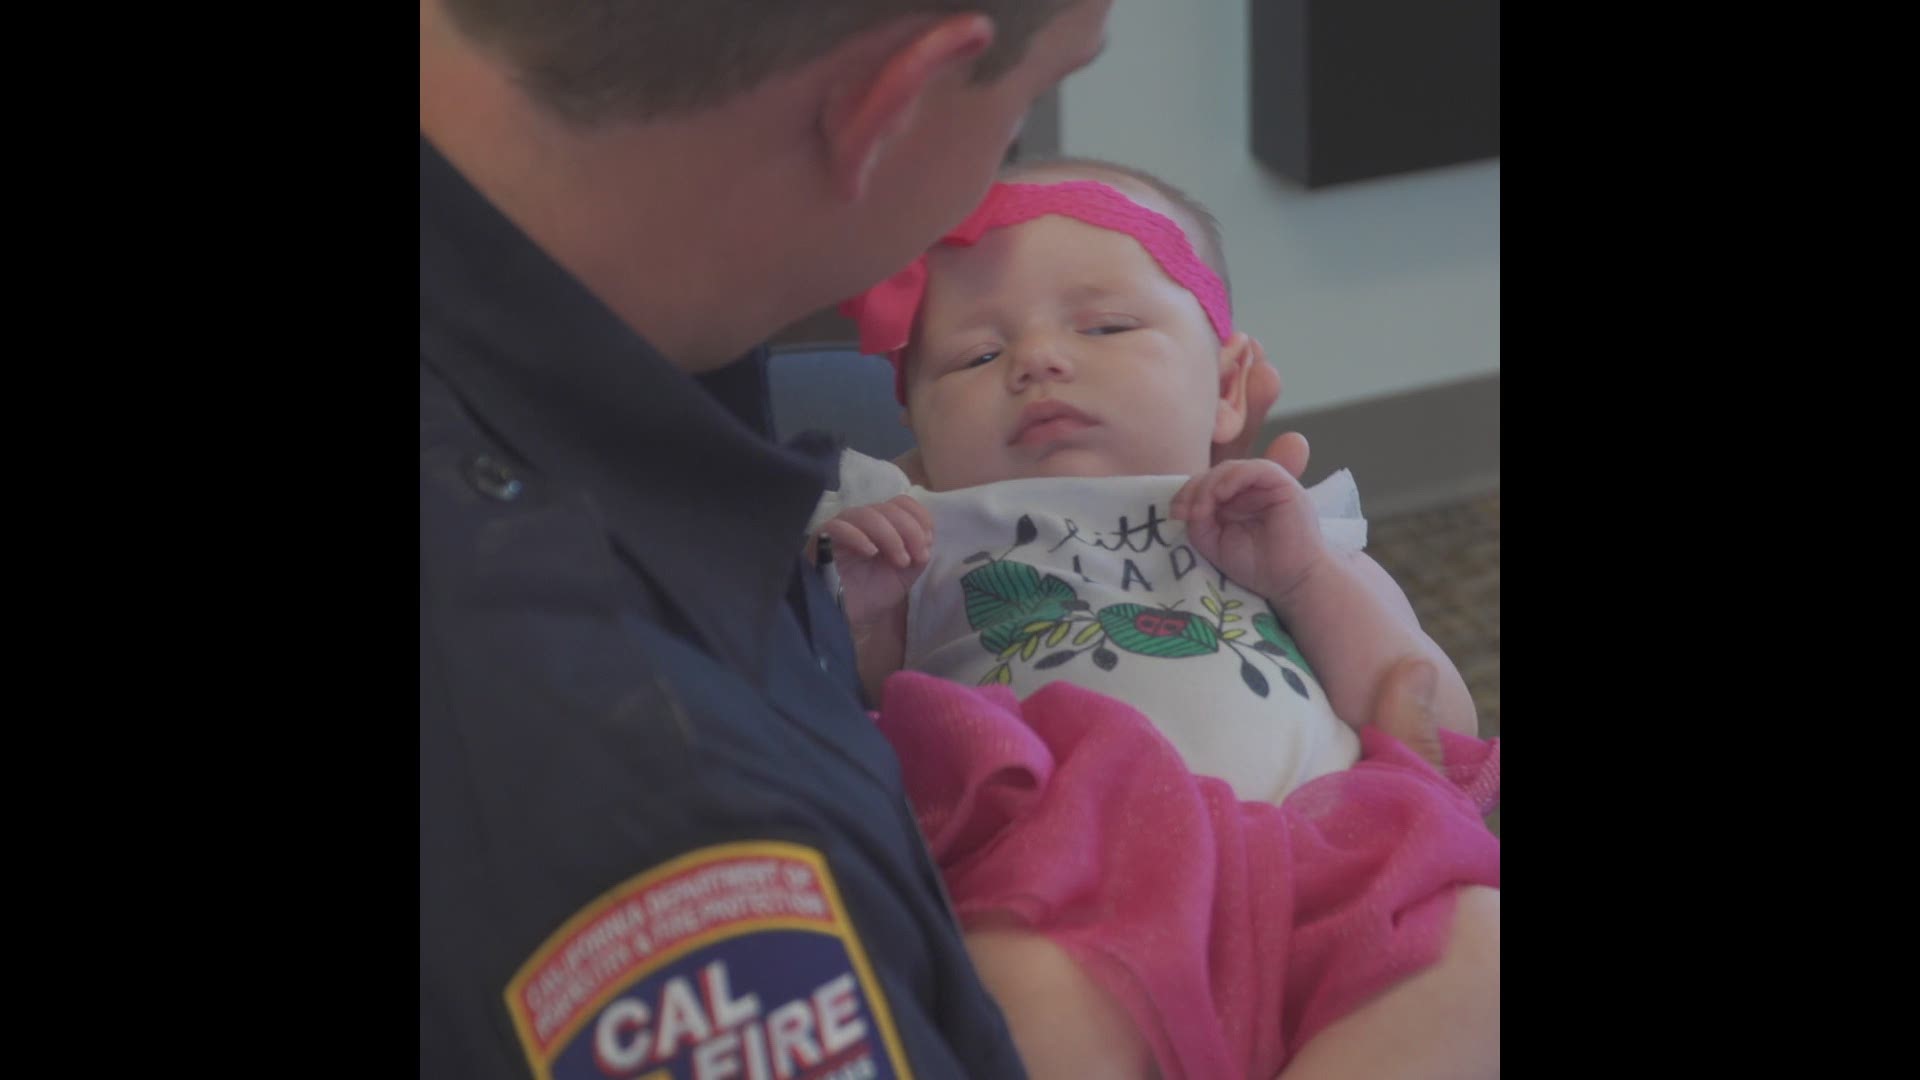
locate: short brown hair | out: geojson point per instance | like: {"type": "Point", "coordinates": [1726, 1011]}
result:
{"type": "Point", "coordinates": [598, 60]}
{"type": "Point", "coordinates": [1202, 228]}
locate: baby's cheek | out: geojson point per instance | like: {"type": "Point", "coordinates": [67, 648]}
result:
{"type": "Point", "coordinates": [941, 462]}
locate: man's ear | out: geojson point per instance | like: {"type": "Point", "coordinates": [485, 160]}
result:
{"type": "Point", "coordinates": [1236, 359]}
{"type": "Point", "coordinates": [877, 101]}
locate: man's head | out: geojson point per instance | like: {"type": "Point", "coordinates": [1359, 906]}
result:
{"type": "Point", "coordinates": [1059, 347]}
{"type": "Point", "coordinates": [715, 170]}
{"type": "Point", "coordinates": [635, 60]}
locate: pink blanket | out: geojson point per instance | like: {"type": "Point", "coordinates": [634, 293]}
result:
{"type": "Point", "coordinates": [1231, 931]}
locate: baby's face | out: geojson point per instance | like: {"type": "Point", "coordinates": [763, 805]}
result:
{"type": "Point", "coordinates": [1058, 348]}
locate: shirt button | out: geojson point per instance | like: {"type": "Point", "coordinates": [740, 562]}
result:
{"type": "Point", "coordinates": [493, 479]}
{"type": "Point", "coordinates": [823, 663]}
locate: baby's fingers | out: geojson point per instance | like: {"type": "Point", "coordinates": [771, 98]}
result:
{"type": "Point", "coordinates": [864, 533]}
{"type": "Point", "coordinates": [914, 525]}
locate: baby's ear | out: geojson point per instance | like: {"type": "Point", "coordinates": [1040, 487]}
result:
{"type": "Point", "coordinates": [1237, 356]}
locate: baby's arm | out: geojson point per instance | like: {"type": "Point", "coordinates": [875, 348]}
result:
{"type": "Point", "coordinates": [1255, 522]}
{"type": "Point", "coordinates": [879, 551]}
{"type": "Point", "coordinates": [1353, 623]}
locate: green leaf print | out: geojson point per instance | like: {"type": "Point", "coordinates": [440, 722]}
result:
{"type": "Point", "coordinates": [1280, 641]}
{"type": "Point", "coordinates": [1006, 599]}
{"type": "Point", "coordinates": [1158, 631]}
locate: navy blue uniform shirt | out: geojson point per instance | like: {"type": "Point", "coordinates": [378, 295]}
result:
{"type": "Point", "coordinates": [658, 832]}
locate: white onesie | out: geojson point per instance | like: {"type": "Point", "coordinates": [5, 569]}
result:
{"type": "Point", "coordinates": [1088, 580]}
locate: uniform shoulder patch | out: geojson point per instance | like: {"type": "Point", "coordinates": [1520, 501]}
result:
{"type": "Point", "coordinates": [733, 961]}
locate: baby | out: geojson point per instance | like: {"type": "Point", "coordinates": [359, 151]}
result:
{"type": "Point", "coordinates": [1068, 365]}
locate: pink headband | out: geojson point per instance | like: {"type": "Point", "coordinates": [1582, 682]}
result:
{"type": "Point", "coordinates": [885, 312]}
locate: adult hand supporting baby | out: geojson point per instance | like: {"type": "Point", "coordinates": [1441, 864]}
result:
{"type": "Point", "coordinates": [1404, 708]}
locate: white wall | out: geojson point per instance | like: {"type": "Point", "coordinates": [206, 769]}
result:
{"type": "Point", "coordinates": [1357, 291]}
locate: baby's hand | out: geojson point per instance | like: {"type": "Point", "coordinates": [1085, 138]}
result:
{"type": "Point", "coordinates": [1254, 521]}
{"type": "Point", "coordinates": [880, 551]}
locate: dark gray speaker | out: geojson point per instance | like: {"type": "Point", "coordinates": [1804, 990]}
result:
{"type": "Point", "coordinates": [1353, 89]}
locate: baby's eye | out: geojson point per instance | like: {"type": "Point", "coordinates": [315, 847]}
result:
{"type": "Point", "coordinates": [1104, 329]}
{"type": "Point", "coordinates": [983, 358]}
